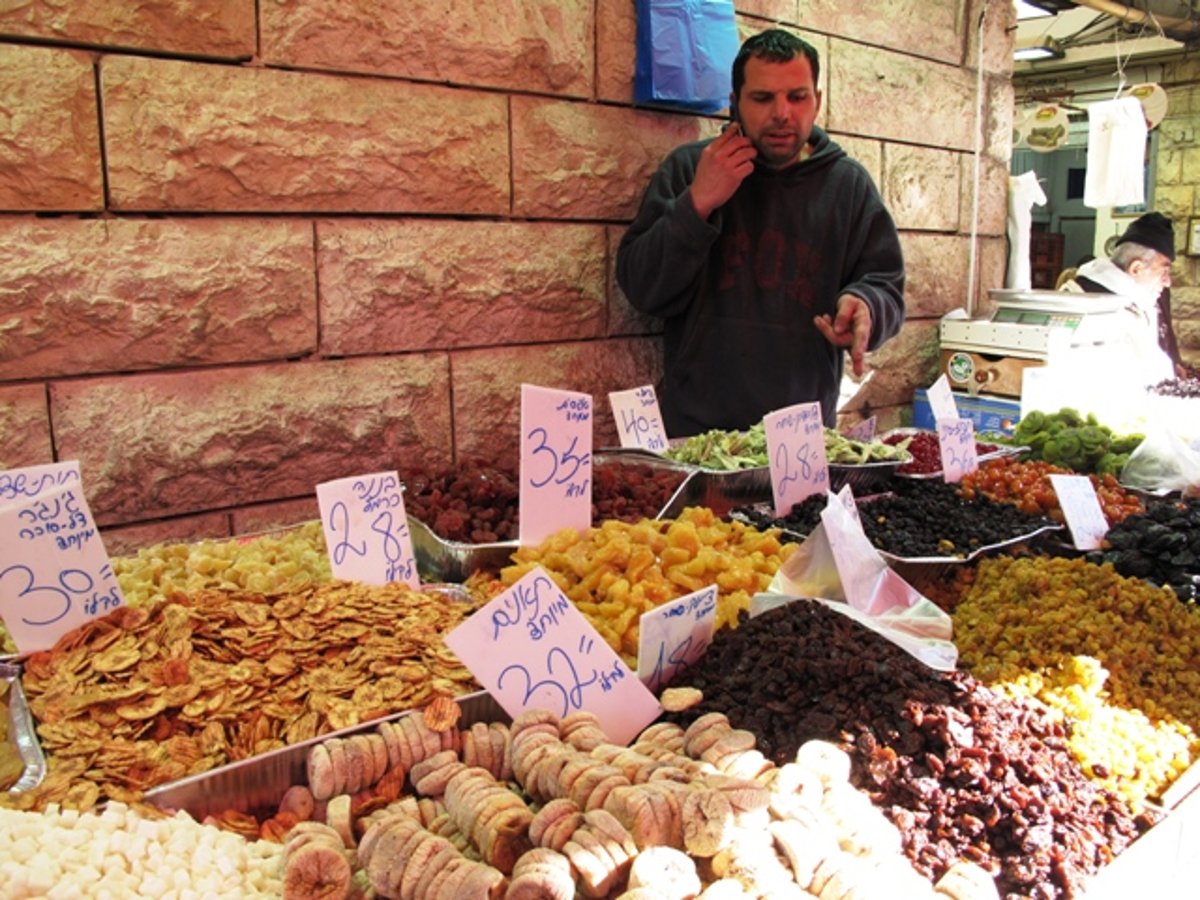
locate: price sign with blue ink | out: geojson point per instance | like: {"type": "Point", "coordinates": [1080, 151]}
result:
{"type": "Point", "coordinates": [863, 430]}
{"type": "Point", "coordinates": [55, 574]}
{"type": "Point", "coordinates": [366, 529]}
{"type": "Point", "coordinates": [556, 462]}
{"type": "Point", "coordinates": [639, 423]}
{"type": "Point", "coordinates": [674, 636]}
{"type": "Point", "coordinates": [796, 454]}
{"type": "Point", "coordinates": [1081, 509]}
{"type": "Point", "coordinates": [532, 649]}
{"type": "Point", "coordinates": [956, 438]}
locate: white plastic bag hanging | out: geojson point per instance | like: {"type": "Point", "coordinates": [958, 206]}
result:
{"type": "Point", "coordinates": [1023, 192]}
{"type": "Point", "coordinates": [1116, 154]}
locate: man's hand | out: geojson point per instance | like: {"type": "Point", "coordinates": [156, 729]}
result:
{"type": "Point", "coordinates": [851, 327]}
{"type": "Point", "coordinates": [723, 165]}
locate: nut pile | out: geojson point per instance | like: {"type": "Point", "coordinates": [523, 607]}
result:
{"type": "Point", "coordinates": [961, 771]}
{"type": "Point", "coordinates": [152, 694]}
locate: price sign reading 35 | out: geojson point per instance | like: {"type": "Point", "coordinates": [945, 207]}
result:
{"type": "Point", "coordinates": [796, 453]}
{"type": "Point", "coordinates": [556, 462]}
{"type": "Point", "coordinates": [366, 529]}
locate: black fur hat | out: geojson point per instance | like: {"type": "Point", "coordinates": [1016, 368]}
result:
{"type": "Point", "coordinates": [1153, 230]}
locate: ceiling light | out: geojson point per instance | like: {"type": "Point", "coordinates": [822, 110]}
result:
{"type": "Point", "coordinates": [1047, 48]}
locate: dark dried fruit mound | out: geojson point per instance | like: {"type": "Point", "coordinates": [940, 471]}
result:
{"type": "Point", "coordinates": [961, 771]}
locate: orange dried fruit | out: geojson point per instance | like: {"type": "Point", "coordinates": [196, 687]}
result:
{"type": "Point", "coordinates": [442, 713]}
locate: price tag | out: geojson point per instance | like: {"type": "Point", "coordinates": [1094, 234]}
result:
{"type": "Point", "coordinates": [1081, 508]}
{"type": "Point", "coordinates": [556, 462]}
{"type": "Point", "coordinates": [531, 648]}
{"type": "Point", "coordinates": [956, 439]}
{"type": "Point", "coordinates": [54, 572]}
{"type": "Point", "coordinates": [639, 423]}
{"type": "Point", "coordinates": [796, 452]}
{"type": "Point", "coordinates": [366, 529]}
{"type": "Point", "coordinates": [861, 431]}
{"type": "Point", "coordinates": [674, 636]}
{"type": "Point", "coordinates": [941, 400]}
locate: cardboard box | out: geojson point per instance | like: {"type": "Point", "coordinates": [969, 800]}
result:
{"type": "Point", "coordinates": [987, 413]}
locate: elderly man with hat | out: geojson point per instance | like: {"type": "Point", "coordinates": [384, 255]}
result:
{"type": "Point", "coordinates": [1139, 269]}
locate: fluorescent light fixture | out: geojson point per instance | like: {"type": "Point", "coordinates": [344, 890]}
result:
{"type": "Point", "coordinates": [1029, 11]}
{"type": "Point", "coordinates": [1047, 48]}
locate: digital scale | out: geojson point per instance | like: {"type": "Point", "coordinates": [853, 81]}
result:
{"type": "Point", "coordinates": [1070, 332]}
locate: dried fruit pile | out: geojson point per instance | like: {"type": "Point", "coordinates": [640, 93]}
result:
{"type": "Point", "coordinates": [1161, 546]}
{"type": "Point", "coordinates": [151, 694]}
{"type": "Point", "coordinates": [961, 771]}
{"type": "Point", "coordinates": [926, 451]}
{"type": "Point", "coordinates": [916, 519]}
{"type": "Point", "coordinates": [477, 503]}
{"type": "Point", "coordinates": [1027, 484]}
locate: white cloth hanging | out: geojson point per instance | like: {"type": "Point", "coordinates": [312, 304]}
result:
{"type": "Point", "coordinates": [1116, 154]}
{"type": "Point", "coordinates": [1023, 191]}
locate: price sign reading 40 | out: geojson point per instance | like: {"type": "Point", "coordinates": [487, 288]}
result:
{"type": "Point", "coordinates": [639, 423]}
{"type": "Point", "coordinates": [556, 462]}
{"type": "Point", "coordinates": [54, 572]}
{"type": "Point", "coordinates": [366, 529]}
{"type": "Point", "coordinates": [796, 453]}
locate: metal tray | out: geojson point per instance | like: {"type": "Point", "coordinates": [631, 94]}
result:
{"type": "Point", "coordinates": [256, 785]}
{"type": "Point", "coordinates": [21, 733]}
{"type": "Point", "coordinates": [451, 561]}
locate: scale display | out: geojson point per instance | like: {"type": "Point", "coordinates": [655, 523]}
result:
{"type": "Point", "coordinates": [1035, 317]}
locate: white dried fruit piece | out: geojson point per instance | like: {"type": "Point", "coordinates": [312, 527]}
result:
{"type": "Point", "coordinates": [678, 699]}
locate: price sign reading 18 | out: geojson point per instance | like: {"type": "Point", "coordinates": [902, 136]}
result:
{"type": "Point", "coordinates": [796, 453]}
{"type": "Point", "coordinates": [531, 647]}
{"type": "Point", "coordinates": [674, 636]}
{"type": "Point", "coordinates": [556, 462]}
{"type": "Point", "coordinates": [54, 572]}
{"type": "Point", "coordinates": [956, 437]}
{"type": "Point", "coordinates": [366, 529]}
{"type": "Point", "coordinates": [639, 423]}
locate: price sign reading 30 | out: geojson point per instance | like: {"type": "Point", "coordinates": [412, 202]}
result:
{"type": "Point", "coordinates": [556, 462]}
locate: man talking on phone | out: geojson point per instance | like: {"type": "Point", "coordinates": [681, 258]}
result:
{"type": "Point", "coordinates": [767, 251]}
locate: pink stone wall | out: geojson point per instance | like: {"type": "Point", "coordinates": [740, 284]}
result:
{"type": "Point", "coordinates": [248, 247]}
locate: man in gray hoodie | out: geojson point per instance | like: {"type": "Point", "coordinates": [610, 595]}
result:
{"type": "Point", "coordinates": [767, 251]}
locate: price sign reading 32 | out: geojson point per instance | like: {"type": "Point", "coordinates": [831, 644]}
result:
{"type": "Point", "coordinates": [366, 529]}
{"type": "Point", "coordinates": [796, 454]}
{"type": "Point", "coordinates": [556, 462]}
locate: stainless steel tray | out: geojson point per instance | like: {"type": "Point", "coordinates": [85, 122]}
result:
{"type": "Point", "coordinates": [256, 785]}
{"type": "Point", "coordinates": [451, 561]}
{"type": "Point", "coordinates": [1000, 451]}
{"type": "Point", "coordinates": [21, 734]}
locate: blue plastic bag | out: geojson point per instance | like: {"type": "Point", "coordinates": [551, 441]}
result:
{"type": "Point", "coordinates": [685, 50]}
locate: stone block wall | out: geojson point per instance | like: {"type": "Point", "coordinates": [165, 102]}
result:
{"type": "Point", "coordinates": [246, 247]}
{"type": "Point", "coordinates": [1177, 194]}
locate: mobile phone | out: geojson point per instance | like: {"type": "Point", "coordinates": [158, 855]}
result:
{"type": "Point", "coordinates": [733, 112]}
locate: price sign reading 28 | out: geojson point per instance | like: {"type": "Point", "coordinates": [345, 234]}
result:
{"type": "Point", "coordinates": [556, 462]}
{"type": "Point", "coordinates": [531, 648]}
{"type": "Point", "coordinates": [956, 438]}
{"type": "Point", "coordinates": [366, 529]}
{"type": "Point", "coordinates": [796, 454]}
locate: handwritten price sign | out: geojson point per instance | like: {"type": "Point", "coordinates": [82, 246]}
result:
{"type": "Point", "coordinates": [639, 423]}
{"type": "Point", "coordinates": [1081, 508]}
{"type": "Point", "coordinates": [674, 636]}
{"type": "Point", "coordinates": [556, 462]}
{"type": "Point", "coordinates": [941, 400]}
{"type": "Point", "coordinates": [956, 438]}
{"type": "Point", "coordinates": [863, 430]}
{"type": "Point", "coordinates": [366, 529]}
{"type": "Point", "coordinates": [531, 648]}
{"type": "Point", "coordinates": [796, 453]}
{"type": "Point", "coordinates": [54, 572]}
